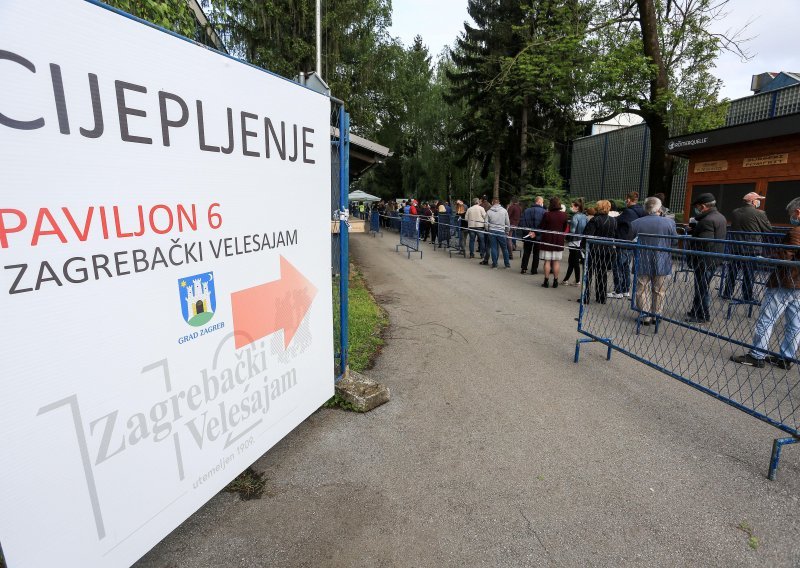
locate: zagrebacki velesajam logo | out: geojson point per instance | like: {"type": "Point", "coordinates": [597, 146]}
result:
{"type": "Point", "coordinates": [198, 298]}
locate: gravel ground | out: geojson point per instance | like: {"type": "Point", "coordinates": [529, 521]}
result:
{"type": "Point", "coordinates": [498, 450]}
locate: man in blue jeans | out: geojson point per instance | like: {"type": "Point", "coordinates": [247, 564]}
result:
{"type": "Point", "coordinates": [782, 297]}
{"type": "Point", "coordinates": [476, 224]}
{"type": "Point", "coordinates": [622, 264]}
{"type": "Point", "coordinates": [498, 225]}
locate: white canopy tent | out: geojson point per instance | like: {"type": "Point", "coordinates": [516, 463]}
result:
{"type": "Point", "coordinates": [362, 196]}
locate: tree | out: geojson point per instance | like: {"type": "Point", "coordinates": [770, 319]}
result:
{"type": "Point", "coordinates": [653, 58]}
{"type": "Point", "coordinates": [543, 80]}
{"type": "Point", "coordinates": [478, 58]}
{"type": "Point", "coordinates": [174, 15]}
{"type": "Point", "coordinates": [358, 55]}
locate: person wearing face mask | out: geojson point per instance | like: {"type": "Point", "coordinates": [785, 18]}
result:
{"type": "Point", "coordinates": [708, 224]}
{"type": "Point", "coordinates": [782, 296]}
{"type": "Point", "coordinates": [746, 219]}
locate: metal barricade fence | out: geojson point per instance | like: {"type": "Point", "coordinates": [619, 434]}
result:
{"type": "Point", "coordinates": [409, 235]}
{"type": "Point", "coordinates": [375, 223]}
{"type": "Point", "coordinates": [394, 221]}
{"type": "Point", "coordinates": [443, 229]}
{"type": "Point", "coordinates": [681, 328]}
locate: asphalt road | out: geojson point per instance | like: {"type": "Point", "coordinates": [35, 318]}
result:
{"type": "Point", "coordinates": [498, 450]}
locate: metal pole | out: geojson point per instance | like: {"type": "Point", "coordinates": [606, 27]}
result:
{"type": "Point", "coordinates": [344, 259]}
{"type": "Point", "coordinates": [319, 39]}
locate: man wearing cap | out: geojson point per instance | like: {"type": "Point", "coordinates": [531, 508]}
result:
{"type": "Point", "coordinates": [746, 219]}
{"type": "Point", "coordinates": [708, 223]}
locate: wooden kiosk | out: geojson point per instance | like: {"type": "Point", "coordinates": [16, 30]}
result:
{"type": "Point", "coordinates": [730, 162]}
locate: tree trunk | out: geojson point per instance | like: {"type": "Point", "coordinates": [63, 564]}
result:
{"type": "Point", "coordinates": [523, 146]}
{"type": "Point", "coordinates": [657, 111]}
{"type": "Point", "coordinates": [496, 188]}
{"type": "Point", "coordinates": [660, 162]}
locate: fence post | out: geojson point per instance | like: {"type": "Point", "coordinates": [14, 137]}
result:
{"type": "Point", "coordinates": [344, 235]}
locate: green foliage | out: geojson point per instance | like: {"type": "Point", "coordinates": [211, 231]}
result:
{"type": "Point", "coordinates": [174, 15]}
{"type": "Point", "coordinates": [659, 67]}
{"type": "Point", "coordinates": [752, 540]}
{"type": "Point", "coordinates": [359, 58]}
{"type": "Point", "coordinates": [337, 401]}
{"type": "Point", "coordinates": [366, 322]}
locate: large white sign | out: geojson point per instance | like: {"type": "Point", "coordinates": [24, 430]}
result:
{"type": "Point", "coordinates": [165, 280]}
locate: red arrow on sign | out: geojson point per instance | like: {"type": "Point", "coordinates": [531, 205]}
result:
{"type": "Point", "coordinates": [264, 309]}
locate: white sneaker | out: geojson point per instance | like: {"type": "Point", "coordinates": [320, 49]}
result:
{"type": "Point", "coordinates": [627, 294]}
{"type": "Point", "coordinates": [614, 295]}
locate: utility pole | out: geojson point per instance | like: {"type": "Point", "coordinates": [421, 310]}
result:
{"type": "Point", "coordinates": [319, 39]}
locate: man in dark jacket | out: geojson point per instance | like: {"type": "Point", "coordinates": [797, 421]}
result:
{"type": "Point", "coordinates": [622, 264]}
{"type": "Point", "coordinates": [531, 219]}
{"type": "Point", "coordinates": [746, 219]}
{"type": "Point", "coordinates": [782, 296]}
{"type": "Point", "coordinates": [708, 223]}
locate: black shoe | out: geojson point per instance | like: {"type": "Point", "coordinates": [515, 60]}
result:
{"type": "Point", "coordinates": [484, 262]}
{"type": "Point", "coordinates": [555, 282]}
{"type": "Point", "coordinates": [695, 319]}
{"type": "Point", "coordinates": [546, 283]}
{"type": "Point", "coordinates": [523, 271]}
{"type": "Point", "coordinates": [472, 256]}
{"type": "Point", "coordinates": [748, 360]}
{"type": "Point", "coordinates": [534, 271]}
{"type": "Point", "coordinates": [779, 362]}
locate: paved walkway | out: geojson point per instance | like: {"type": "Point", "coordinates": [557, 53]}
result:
{"type": "Point", "coordinates": [498, 450]}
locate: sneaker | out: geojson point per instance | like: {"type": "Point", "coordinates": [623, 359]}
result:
{"type": "Point", "coordinates": [748, 360]}
{"type": "Point", "coordinates": [779, 362]}
{"type": "Point", "coordinates": [507, 266]}
{"type": "Point", "coordinates": [523, 271]}
{"type": "Point", "coordinates": [484, 262]}
{"type": "Point", "coordinates": [695, 319]}
{"type": "Point", "coordinates": [627, 294]}
{"type": "Point", "coordinates": [494, 267]}
{"type": "Point", "coordinates": [472, 256]}
{"type": "Point", "coordinates": [613, 295]}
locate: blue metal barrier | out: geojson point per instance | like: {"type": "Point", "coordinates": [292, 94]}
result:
{"type": "Point", "coordinates": [676, 327]}
{"type": "Point", "coordinates": [409, 235]}
{"type": "Point", "coordinates": [443, 229]}
{"type": "Point", "coordinates": [375, 223]}
{"type": "Point", "coordinates": [394, 221]}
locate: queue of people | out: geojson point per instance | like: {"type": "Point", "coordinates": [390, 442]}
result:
{"type": "Point", "coordinates": [490, 232]}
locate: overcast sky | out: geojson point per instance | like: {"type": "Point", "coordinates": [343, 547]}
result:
{"type": "Point", "coordinates": [774, 29]}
